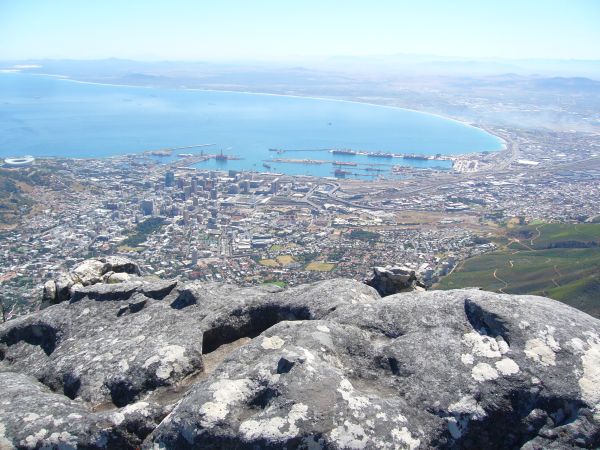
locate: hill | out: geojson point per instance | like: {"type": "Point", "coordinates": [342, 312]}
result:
{"type": "Point", "coordinates": [560, 261]}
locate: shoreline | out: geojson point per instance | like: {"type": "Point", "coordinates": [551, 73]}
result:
{"type": "Point", "coordinates": [504, 144]}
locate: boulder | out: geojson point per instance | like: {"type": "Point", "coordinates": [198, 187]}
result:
{"type": "Point", "coordinates": [89, 271]}
{"type": "Point", "coordinates": [120, 264]}
{"type": "Point", "coordinates": [391, 280]}
{"type": "Point", "coordinates": [110, 269]}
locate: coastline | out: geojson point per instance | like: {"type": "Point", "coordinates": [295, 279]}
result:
{"type": "Point", "coordinates": [504, 144]}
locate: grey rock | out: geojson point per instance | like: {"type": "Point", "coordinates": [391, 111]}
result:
{"type": "Point", "coordinates": [157, 290]}
{"type": "Point", "coordinates": [391, 280]}
{"type": "Point", "coordinates": [49, 292]}
{"type": "Point", "coordinates": [32, 416]}
{"type": "Point", "coordinates": [89, 271]}
{"type": "Point", "coordinates": [111, 269]}
{"type": "Point", "coordinates": [326, 365]}
{"type": "Point", "coordinates": [88, 351]}
{"type": "Point", "coordinates": [106, 292]}
{"type": "Point", "coordinates": [118, 264]}
{"type": "Point", "coordinates": [457, 369]}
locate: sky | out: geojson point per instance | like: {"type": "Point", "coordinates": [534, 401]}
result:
{"type": "Point", "coordinates": [288, 29]}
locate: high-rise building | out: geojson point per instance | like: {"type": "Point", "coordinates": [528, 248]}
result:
{"type": "Point", "coordinates": [169, 179]}
{"type": "Point", "coordinates": [147, 207]}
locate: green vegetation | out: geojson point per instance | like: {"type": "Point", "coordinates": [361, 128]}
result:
{"type": "Point", "coordinates": [143, 230]}
{"type": "Point", "coordinates": [561, 261]}
{"type": "Point", "coordinates": [364, 235]}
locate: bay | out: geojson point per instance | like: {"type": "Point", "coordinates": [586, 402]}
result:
{"type": "Point", "coordinates": [51, 116]}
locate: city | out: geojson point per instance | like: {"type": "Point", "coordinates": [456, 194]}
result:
{"type": "Point", "coordinates": [250, 228]}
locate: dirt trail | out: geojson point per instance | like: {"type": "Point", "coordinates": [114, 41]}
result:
{"type": "Point", "coordinates": [500, 280]}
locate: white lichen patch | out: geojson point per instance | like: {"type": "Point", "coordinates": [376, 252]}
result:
{"type": "Point", "coordinates": [138, 407]}
{"type": "Point", "coordinates": [272, 343]}
{"type": "Point", "coordinates": [484, 372]}
{"type": "Point", "coordinates": [467, 359]}
{"type": "Point", "coordinates": [225, 393]}
{"type": "Point", "coordinates": [4, 442]}
{"type": "Point", "coordinates": [543, 349]}
{"type": "Point", "coordinates": [590, 381]}
{"type": "Point", "coordinates": [507, 366]}
{"type": "Point", "coordinates": [577, 345]}
{"type": "Point", "coordinates": [523, 325]}
{"type": "Point", "coordinates": [171, 359]}
{"type": "Point", "coordinates": [33, 439]}
{"type": "Point", "coordinates": [275, 428]}
{"type": "Point", "coordinates": [349, 436]}
{"type": "Point", "coordinates": [117, 418]}
{"type": "Point", "coordinates": [485, 346]}
{"type": "Point", "coordinates": [469, 406]}
{"type": "Point", "coordinates": [355, 402]}
{"type": "Point", "coordinates": [30, 417]}
{"type": "Point", "coordinates": [404, 440]}
{"type": "Point", "coordinates": [123, 365]}
{"type": "Point", "coordinates": [540, 352]}
{"type": "Point", "coordinates": [323, 328]}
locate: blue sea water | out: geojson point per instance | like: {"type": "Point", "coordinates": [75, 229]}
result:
{"type": "Point", "coordinates": [49, 116]}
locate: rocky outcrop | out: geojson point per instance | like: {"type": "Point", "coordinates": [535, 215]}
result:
{"type": "Point", "coordinates": [110, 269]}
{"type": "Point", "coordinates": [391, 280]}
{"type": "Point", "coordinates": [326, 365]}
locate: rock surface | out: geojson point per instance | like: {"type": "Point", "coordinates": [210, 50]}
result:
{"type": "Point", "coordinates": [391, 280]}
{"type": "Point", "coordinates": [328, 365]}
{"type": "Point", "coordinates": [110, 269]}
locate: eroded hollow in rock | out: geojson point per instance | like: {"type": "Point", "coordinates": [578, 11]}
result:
{"type": "Point", "coordinates": [251, 324]}
{"type": "Point", "coordinates": [40, 334]}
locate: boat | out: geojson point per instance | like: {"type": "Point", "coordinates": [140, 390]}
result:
{"type": "Point", "coordinates": [341, 173]}
{"type": "Point", "coordinates": [380, 155]}
{"type": "Point", "coordinates": [185, 155]}
{"type": "Point", "coordinates": [344, 163]}
{"type": "Point", "coordinates": [266, 166]}
{"type": "Point", "coordinates": [414, 156]}
{"type": "Point", "coordinates": [221, 157]}
{"type": "Point", "coordinates": [343, 151]}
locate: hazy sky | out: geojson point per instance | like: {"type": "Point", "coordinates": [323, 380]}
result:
{"type": "Point", "coordinates": [267, 29]}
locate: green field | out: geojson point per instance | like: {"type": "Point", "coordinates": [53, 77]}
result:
{"type": "Point", "coordinates": [561, 261]}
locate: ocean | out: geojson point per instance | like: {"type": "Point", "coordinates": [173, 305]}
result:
{"type": "Point", "coordinates": [50, 116]}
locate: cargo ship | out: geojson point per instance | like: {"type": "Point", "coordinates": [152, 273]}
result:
{"type": "Point", "coordinates": [221, 157]}
{"type": "Point", "coordinates": [344, 163]}
{"type": "Point", "coordinates": [380, 155]}
{"type": "Point", "coordinates": [343, 151]}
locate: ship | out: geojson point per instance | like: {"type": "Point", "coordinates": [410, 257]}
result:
{"type": "Point", "coordinates": [266, 166]}
{"type": "Point", "coordinates": [221, 157]}
{"type": "Point", "coordinates": [343, 151]}
{"type": "Point", "coordinates": [341, 173]}
{"type": "Point", "coordinates": [380, 155]}
{"type": "Point", "coordinates": [414, 156]}
{"type": "Point", "coordinates": [165, 152]}
{"type": "Point", "coordinates": [344, 163]}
